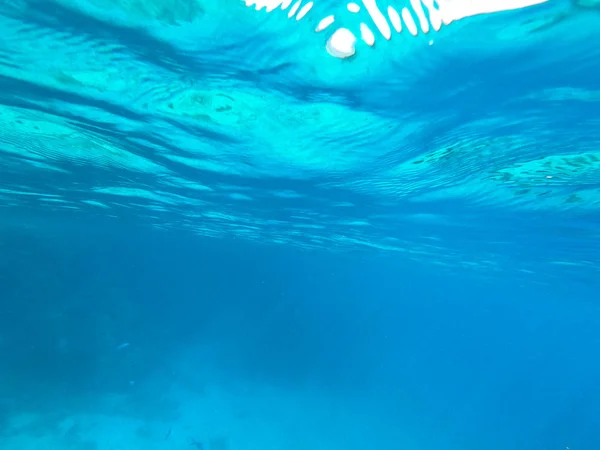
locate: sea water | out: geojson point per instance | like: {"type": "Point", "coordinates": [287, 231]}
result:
{"type": "Point", "coordinates": [277, 225]}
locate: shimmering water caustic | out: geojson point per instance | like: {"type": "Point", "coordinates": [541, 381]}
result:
{"type": "Point", "coordinates": [430, 15]}
{"type": "Point", "coordinates": [163, 112]}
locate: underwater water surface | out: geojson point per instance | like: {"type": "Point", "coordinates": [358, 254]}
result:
{"type": "Point", "coordinates": [228, 225]}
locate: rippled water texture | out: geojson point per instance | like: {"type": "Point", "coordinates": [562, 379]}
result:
{"type": "Point", "coordinates": [477, 145]}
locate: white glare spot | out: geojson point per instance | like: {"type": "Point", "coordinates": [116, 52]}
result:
{"type": "Point", "coordinates": [460, 10]}
{"type": "Point", "coordinates": [435, 17]}
{"type": "Point", "coordinates": [446, 13]}
{"type": "Point", "coordinates": [342, 43]}
{"type": "Point", "coordinates": [305, 9]}
{"type": "Point", "coordinates": [378, 18]}
{"type": "Point", "coordinates": [367, 35]}
{"type": "Point", "coordinates": [395, 19]}
{"type": "Point", "coordinates": [294, 8]}
{"type": "Point", "coordinates": [324, 23]}
{"type": "Point", "coordinates": [353, 7]}
{"type": "Point", "coordinates": [416, 4]}
{"type": "Point", "coordinates": [409, 22]}
{"type": "Point", "coordinates": [260, 4]}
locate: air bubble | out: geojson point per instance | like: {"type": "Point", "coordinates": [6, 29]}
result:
{"type": "Point", "coordinates": [341, 44]}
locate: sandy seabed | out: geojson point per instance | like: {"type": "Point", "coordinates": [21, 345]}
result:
{"type": "Point", "coordinates": [161, 414]}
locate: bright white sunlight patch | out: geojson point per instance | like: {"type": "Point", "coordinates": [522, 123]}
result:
{"type": "Point", "coordinates": [419, 16]}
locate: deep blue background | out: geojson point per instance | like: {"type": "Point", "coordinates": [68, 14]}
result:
{"type": "Point", "coordinates": [458, 362]}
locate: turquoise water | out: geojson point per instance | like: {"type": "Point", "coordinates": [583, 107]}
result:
{"type": "Point", "coordinates": [217, 233]}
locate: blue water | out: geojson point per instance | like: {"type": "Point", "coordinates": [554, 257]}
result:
{"type": "Point", "coordinates": [216, 235]}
